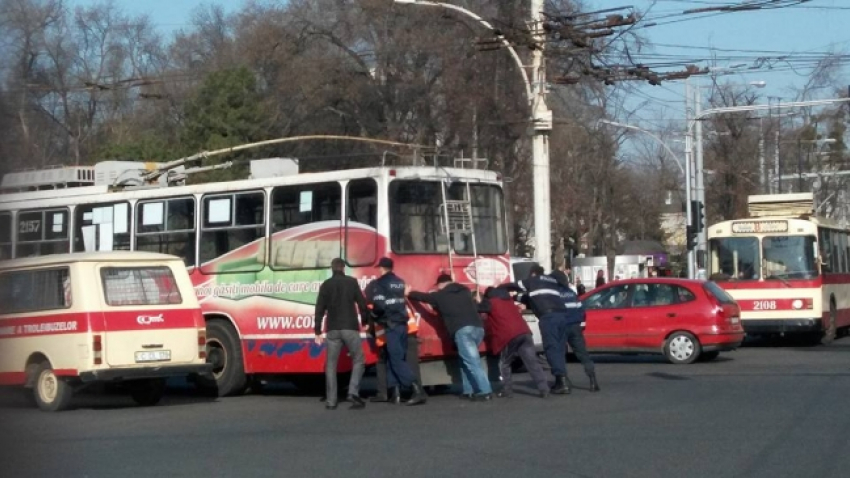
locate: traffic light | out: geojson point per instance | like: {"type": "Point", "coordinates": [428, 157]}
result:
{"type": "Point", "coordinates": [697, 216]}
{"type": "Point", "coordinates": [691, 237]}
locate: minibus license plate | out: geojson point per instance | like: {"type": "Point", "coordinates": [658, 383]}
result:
{"type": "Point", "coordinates": [153, 356]}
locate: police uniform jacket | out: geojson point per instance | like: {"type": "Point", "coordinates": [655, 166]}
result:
{"type": "Point", "coordinates": [386, 295]}
{"type": "Point", "coordinates": [547, 297]}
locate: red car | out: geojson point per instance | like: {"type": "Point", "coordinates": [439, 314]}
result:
{"type": "Point", "coordinates": [682, 319]}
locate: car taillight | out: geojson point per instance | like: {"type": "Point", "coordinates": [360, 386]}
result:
{"type": "Point", "coordinates": [202, 344]}
{"type": "Point", "coordinates": [97, 348]}
{"type": "Point", "coordinates": [800, 304]}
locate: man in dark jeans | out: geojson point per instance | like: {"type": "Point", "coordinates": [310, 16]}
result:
{"type": "Point", "coordinates": [560, 315]}
{"type": "Point", "coordinates": [338, 297]}
{"type": "Point", "coordinates": [381, 368]}
{"type": "Point", "coordinates": [389, 309]}
{"type": "Point", "coordinates": [575, 330]}
{"type": "Point", "coordinates": [509, 336]}
{"type": "Point", "coordinates": [459, 312]}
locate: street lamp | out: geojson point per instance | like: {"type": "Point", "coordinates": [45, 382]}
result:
{"type": "Point", "coordinates": [541, 119]}
{"type": "Point", "coordinates": [653, 136]}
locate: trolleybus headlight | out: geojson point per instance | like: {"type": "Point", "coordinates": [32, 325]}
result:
{"type": "Point", "coordinates": [797, 304]}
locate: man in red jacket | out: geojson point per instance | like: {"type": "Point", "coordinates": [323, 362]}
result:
{"type": "Point", "coordinates": [509, 336]}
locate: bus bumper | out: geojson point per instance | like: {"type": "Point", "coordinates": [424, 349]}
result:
{"type": "Point", "coordinates": [164, 371]}
{"type": "Point", "coordinates": [790, 326]}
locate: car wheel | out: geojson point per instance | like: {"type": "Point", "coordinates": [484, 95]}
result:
{"type": "Point", "coordinates": [147, 393]}
{"type": "Point", "coordinates": [51, 393]}
{"type": "Point", "coordinates": [224, 351]}
{"type": "Point", "coordinates": [708, 356]}
{"type": "Point", "coordinates": [682, 348]}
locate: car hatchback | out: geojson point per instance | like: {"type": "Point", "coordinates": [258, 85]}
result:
{"type": "Point", "coordinates": [683, 319]}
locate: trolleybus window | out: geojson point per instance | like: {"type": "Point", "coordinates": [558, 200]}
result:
{"type": "Point", "coordinates": [361, 246]}
{"type": "Point", "coordinates": [102, 227]}
{"type": "Point", "coordinates": [735, 257]}
{"type": "Point", "coordinates": [232, 221]}
{"type": "Point", "coordinates": [487, 219]}
{"type": "Point", "coordinates": [294, 247]}
{"type": "Point", "coordinates": [167, 226]}
{"type": "Point", "coordinates": [35, 290]}
{"type": "Point", "coordinates": [41, 233]}
{"type": "Point", "coordinates": [789, 257]}
{"type": "Point", "coordinates": [5, 236]}
{"type": "Point", "coordinates": [417, 222]}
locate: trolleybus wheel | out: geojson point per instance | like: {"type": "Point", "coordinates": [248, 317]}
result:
{"type": "Point", "coordinates": [225, 353]}
{"type": "Point", "coordinates": [830, 330]}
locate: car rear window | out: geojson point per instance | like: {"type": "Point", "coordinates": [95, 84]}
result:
{"type": "Point", "coordinates": [123, 286]}
{"type": "Point", "coordinates": [718, 293]}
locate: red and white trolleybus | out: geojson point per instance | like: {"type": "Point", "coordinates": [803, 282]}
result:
{"type": "Point", "coordinates": [788, 269]}
{"type": "Point", "coordinates": [258, 249]}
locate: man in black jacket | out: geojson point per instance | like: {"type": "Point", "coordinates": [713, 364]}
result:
{"type": "Point", "coordinates": [338, 296]}
{"type": "Point", "coordinates": [459, 312]}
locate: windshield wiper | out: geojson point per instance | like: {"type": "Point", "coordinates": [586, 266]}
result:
{"type": "Point", "coordinates": [775, 276]}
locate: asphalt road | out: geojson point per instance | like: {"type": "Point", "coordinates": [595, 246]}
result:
{"type": "Point", "coordinates": [771, 410]}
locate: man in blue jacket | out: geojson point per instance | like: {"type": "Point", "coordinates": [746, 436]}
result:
{"type": "Point", "coordinates": [560, 316]}
{"type": "Point", "coordinates": [386, 294]}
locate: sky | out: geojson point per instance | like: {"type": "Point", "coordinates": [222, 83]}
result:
{"type": "Point", "coordinates": [815, 26]}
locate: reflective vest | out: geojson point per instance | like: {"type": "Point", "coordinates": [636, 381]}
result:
{"type": "Point", "coordinates": [381, 331]}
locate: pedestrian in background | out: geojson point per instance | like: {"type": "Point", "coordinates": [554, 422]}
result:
{"type": "Point", "coordinates": [386, 295]}
{"type": "Point", "coordinates": [600, 278]}
{"type": "Point", "coordinates": [459, 313]}
{"type": "Point", "coordinates": [509, 336]}
{"type": "Point", "coordinates": [341, 298]}
{"type": "Point", "coordinates": [580, 289]}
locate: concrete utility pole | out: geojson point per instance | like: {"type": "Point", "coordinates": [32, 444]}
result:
{"type": "Point", "coordinates": [541, 124]}
{"type": "Point", "coordinates": [540, 116]}
{"type": "Point", "coordinates": [690, 256]}
{"type": "Point", "coordinates": [699, 172]}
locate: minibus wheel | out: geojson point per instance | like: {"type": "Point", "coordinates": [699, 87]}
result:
{"type": "Point", "coordinates": [51, 393]}
{"type": "Point", "coordinates": [147, 393]}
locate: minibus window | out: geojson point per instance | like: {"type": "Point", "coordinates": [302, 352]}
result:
{"type": "Point", "coordinates": [124, 286]}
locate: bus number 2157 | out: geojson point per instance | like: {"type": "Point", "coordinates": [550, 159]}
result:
{"type": "Point", "coordinates": [764, 305]}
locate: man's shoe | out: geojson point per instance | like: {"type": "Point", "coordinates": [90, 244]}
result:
{"type": "Point", "coordinates": [594, 385]}
{"type": "Point", "coordinates": [419, 396]}
{"type": "Point", "coordinates": [330, 406]}
{"type": "Point", "coordinates": [395, 396]}
{"type": "Point", "coordinates": [465, 396]}
{"type": "Point", "coordinates": [357, 403]}
{"type": "Point", "coordinates": [379, 398]}
{"type": "Point", "coordinates": [544, 393]}
{"type": "Point", "coordinates": [482, 397]}
{"type": "Point", "coordinates": [505, 394]}
{"type": "Point", "coordinates": [560, 387]}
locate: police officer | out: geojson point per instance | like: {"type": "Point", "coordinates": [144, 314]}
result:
{"type": "Point", "coordinates": [386, 294]}
{"type": "Point", "coordinates": [560, 315]}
